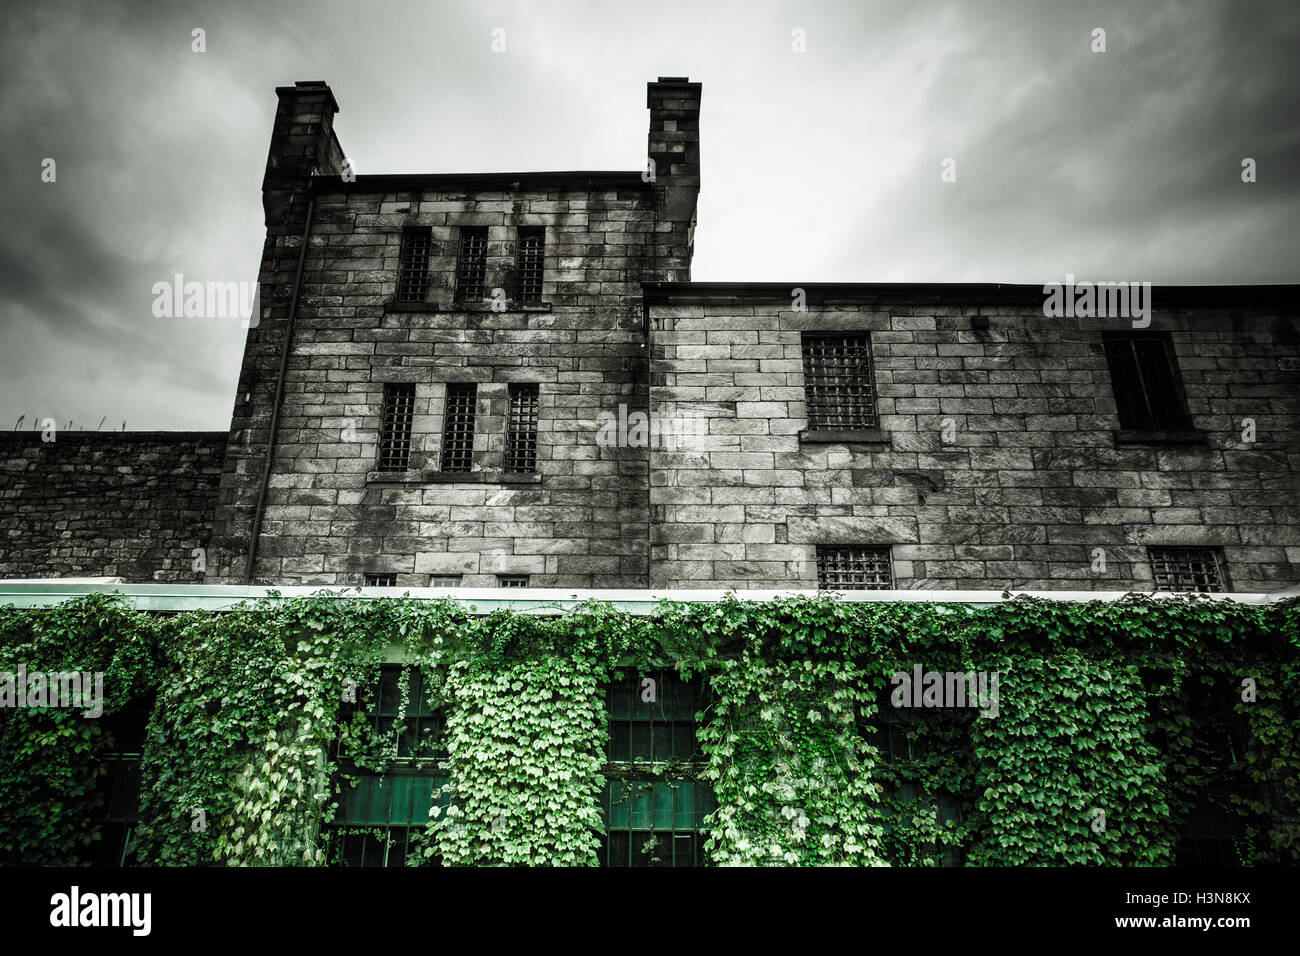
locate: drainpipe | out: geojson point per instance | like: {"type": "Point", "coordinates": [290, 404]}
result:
{"type": "Point", "coordinates": [279, 394]}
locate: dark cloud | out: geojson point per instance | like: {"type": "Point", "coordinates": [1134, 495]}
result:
{"type": "Point", "coordinates": [822, 165]}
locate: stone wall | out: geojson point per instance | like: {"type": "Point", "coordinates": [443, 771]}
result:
{"type": "Point", "coordinates": [329, 516]}
{"type": "Point", "coordinates": [133, 505]}
{"type": "Point", "coordinates": [1028, 479]}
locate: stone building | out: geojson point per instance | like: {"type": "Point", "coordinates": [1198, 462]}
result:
{"type": "Point", "coordinates": [508, 379]}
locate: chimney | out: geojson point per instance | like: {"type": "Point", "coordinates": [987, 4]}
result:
{"type": "Point", "coordinates": [302, 143]}
{"type": "Point", "coordinates": [674, 145]}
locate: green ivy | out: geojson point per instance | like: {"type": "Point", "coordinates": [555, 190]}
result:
{"type": "Point", "coordinates": [1104, 745]}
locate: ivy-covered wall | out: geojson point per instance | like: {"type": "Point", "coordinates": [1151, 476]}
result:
{"type": "Point", "coordinates": [1113, 725]}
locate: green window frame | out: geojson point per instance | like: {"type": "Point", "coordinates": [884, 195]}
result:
{"type": "Point", "coordinates": [378, 817]}
{"type": "Point", "coordinates": [654, 823]}
{"type": "Point", "coordinates": [378, 814]}
{"type": "Point", "coordinates": [647, 819]}
{"type": "Point", "coordinates": [660, 730]}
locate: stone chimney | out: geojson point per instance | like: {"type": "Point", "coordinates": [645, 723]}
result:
{"type": "Point", "coordinates": [302, 144]}
{"type": "Point", "coordinates": [674, 145]}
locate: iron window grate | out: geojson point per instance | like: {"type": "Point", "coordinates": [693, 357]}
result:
{"type": "Point", "coordinates": [444, 580]}
{"type": "Point", "coordinates": [854, 568]}
{"type": "Point", "coordinates": [512, 580]}
{"type": "Point", "coordinates": [839, 385]}
{"type": "Point", "coordinates": [471, 264]}
{"type": "Point", "coordinates": [1187, 569]}
{"type": "Point", "coordinates": [532, 244]}
{"type": "Point", "coordinates": [413, 266]}
{"type": "Point", "coordinates": [381, 580]}
{"type": "Point", "coordinates": [458, 428]}
{"type": "Point", "coordinates": [1146, 381]}
{"type": "Point", "coordinates": [521, 430]}
{"type": "Point", "coordinates": [395, 427]}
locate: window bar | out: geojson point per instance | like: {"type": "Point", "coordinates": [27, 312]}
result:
{"type": "Point", "coordinates": [853, 568]}
{"type": "Point", "coordinates": [838, 382]}
{"type": "Point", "coordinates": [521, 431]}
{"type": "Point", "coordinates": [471, 264]}
{"type": "Point", "coordinates": [395, 427]}
{"type": "Point", "coordinates": [531, 249]}
{"type": "Point", "coordinates": [458, 428]}
{"type": "Point", "coordinates": [413, 268]}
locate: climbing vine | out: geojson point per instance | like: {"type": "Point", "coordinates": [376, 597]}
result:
{"type": "Point", "coordinates": [1114, 727]}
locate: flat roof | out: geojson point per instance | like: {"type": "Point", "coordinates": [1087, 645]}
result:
{"type": "Point", "coordinates": [566, 179]}
{"type": "Point", "coordinates": [661, 293]}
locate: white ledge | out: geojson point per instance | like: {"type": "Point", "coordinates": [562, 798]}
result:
{"type": "Point", "coordinates": [217, 597]}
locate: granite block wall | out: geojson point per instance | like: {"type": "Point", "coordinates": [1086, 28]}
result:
{"type": "Point", "coordinates": [998, 463]}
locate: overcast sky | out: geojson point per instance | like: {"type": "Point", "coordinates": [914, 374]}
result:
{"type": "Point", "coordinates": [823, 165]}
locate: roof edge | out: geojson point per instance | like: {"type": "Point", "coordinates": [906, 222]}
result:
{"type": "Point", "coordinates": [665, 292]}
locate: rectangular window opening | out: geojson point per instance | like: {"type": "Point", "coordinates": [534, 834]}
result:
{"type": "Point", "coordinates": [395, 426]}
{"type": "Point", "coordinates": [471, 264]}
{"type": "Point", "coordinates": [1188, 569]}
{"type": "Point", "coordinates": [521, 429]}
{"type": "Point", "coordinates": [458, 428]}
{"type": "Point", "coordinates": [532, 242]}
{"type": "Point", "coordinates": [839, 384]}
{"type": "Point", "coordinates": [854, 568]}
{"type": "Point", "coordinates": [413, 269]}
{"type": "Point", "coordinates": [1146, 381]}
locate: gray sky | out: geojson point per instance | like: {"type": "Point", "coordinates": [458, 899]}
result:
{"type": "Point", "coordinates": [817, 166]}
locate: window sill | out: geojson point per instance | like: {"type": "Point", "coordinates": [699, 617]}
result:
{"type": "Point", "coordinates": [1181, 436]}
{"type": "Point", "coordinates": [418, 477]}
{"type": "Point", "coordinates": [842, 435]}
{"type": "Point", "coordinates": [392, 307]}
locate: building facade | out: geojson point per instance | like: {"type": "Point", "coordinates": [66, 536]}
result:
{"type": "Point", "coordinates": [509, 379]}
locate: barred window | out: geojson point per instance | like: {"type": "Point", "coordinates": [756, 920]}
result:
{"type": "Point", "coordinates": [853, 568]}
{"type": "Point", "coordinates": [413, 268]}
{"type": "Point", "coordinates": [532, 243]}
{"type": "Point", "coordinates": [521, 429]}
{"type": "Point", "coordinates": [458, 427]}
{"type": "Point", "coordinates": [1187, 569]}
{"type": "Point", "coordinates": [838, 382]}
{"type": "Point", "coordinates": [512, 580]}
{"type": "Point", "coordinates": [378, 814]}
{"type": "Point", "coordinates": [471, 264]}
{"type": "Point", "coordinates": [1145, 379]}
{"type": "Point", "coordinates": [381, 580]}
{"type": "Point", "coordinates": [444, 580]}
{"type": "Point", "coordinates": [395, 426]}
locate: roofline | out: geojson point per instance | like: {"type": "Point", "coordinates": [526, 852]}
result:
{"type": "Point", "coordinates": [570, 179]}
{"type": "Point", "coordinates": [659, 293]}
{"type": "Point", "coordinates": [223, 597]}
{"type": "Point", "coordinates": [74, 435]}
